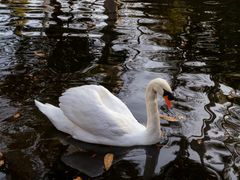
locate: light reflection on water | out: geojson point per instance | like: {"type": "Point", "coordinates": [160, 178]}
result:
{"type": "Point", "coordinates": [49, 46]}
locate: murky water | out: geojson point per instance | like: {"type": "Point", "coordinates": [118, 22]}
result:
{"type": "Point", "coordinates": [49, 46]}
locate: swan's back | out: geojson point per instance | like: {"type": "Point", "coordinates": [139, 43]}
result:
{"type": "Point", "coordinates": [99, 112]}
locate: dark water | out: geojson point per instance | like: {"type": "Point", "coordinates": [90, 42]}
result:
{"type": "Point", "coordinates": [49, 46]}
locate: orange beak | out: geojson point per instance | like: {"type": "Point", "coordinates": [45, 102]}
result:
{"type": "Point", "coordinates": [168, 102]}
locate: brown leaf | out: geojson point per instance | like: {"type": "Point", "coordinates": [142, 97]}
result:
{"type": "Point", "coordinates": [168, 118]}
{"type": "Point", "coordinates": [39, 53]}
{"type": "Point", "coordinates": [77, 178]}
{"type": "Point", "coordinates": [16, 115]}
{"type": "Point", "coordinates": [1, 163]}
{"type": "Point", "coordinates": [1, 159]}
{"type": "Point", "coordinates": [108, 159]}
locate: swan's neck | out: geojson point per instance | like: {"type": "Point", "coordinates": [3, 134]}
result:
{"type": "Point", "coordinates": [153, 119]}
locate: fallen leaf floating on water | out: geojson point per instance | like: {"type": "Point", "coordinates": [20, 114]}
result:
{"type": "Point", "coordinates": [77, 178]}
{"type": "Point", "coordinates": [108, 159]}
{"type": "Point", "coordinates": [39, 53]}
{"type": "Point", "coordinates": [1, 163]}
{"type": "Point", "coordinates": [16, 115]}
{"type": "Point", "coordinates": [1, 160]}
{"type": "Point", "coordinates": [199, 141]}
{"type": "Point", "coordinates": [168, 118]}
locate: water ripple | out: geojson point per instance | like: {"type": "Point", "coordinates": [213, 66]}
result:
{"type": "Point", "coordinates": [49, 46]}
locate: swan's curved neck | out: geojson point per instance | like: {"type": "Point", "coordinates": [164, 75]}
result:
{"type": "Point", "coordinates": [153, 119]}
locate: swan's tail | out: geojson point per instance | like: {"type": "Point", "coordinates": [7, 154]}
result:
{"type": "Point", "coordinates": [56, 116]}
{"type": "Point", "coordinates": [49, 110]}
{"type": "Point", "coordinates": [42, 107]}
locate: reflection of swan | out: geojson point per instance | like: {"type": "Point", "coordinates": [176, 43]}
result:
{"type": "Point", "coordinates": [133, 161]}
{"type": "Point", "coordinates": [92, 114]}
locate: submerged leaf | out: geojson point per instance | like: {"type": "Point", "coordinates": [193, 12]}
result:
{"type": "Point", "coordinates": [1, 160]}
{"type": "Point", "coordinates": [108, 159]}
{"type": "Point", "coordinates": [16, 115]}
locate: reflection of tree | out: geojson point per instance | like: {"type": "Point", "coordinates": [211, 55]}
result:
{"type": "Point", "coordinates": [184, 168]}
{"type": "Point", "coordinates": [173, 18]}
{"type": "Point", "coordinates": [88, 159]}
{"type": "Point", "coordinates": [19, 12]}
{"type": "Point", "coordinates": [30, 76]}
{"type": "Point", "coordinates": [178, 18]}
{"type": "Point", "coordinates": [62, 54]}
{"type": "Point", "coordinates": [211, 42]}
{"type": "Point", "coordinates": [70, 55]}
{"type": "Point", "coordinates": [135, 162]}
{"type": "Point", "coordinates": [57, 30]}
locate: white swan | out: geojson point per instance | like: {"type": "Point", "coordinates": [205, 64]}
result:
{"type": "Point", "coordinates": [92, 114]}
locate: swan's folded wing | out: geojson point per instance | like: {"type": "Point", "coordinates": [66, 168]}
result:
{"type": "Point", "coordinates": [96, 110]}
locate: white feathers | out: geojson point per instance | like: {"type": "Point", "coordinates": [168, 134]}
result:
{"type": "Point", "coordinates": [92, 114]}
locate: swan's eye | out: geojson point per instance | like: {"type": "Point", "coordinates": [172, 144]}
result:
{"type": "Point", "coordinates": [168, 94]}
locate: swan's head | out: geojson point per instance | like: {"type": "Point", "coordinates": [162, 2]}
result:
{"type": "Point", "coordinates": [162, 87]}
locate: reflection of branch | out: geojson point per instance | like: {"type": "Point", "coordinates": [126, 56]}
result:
{"type": "Point", "coordinates": [20, 13]}
{"type": "Point", "coordinates": [57, 11]}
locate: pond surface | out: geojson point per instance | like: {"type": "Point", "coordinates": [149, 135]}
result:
{"type": "Point", "coordinates": [49, 46]}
